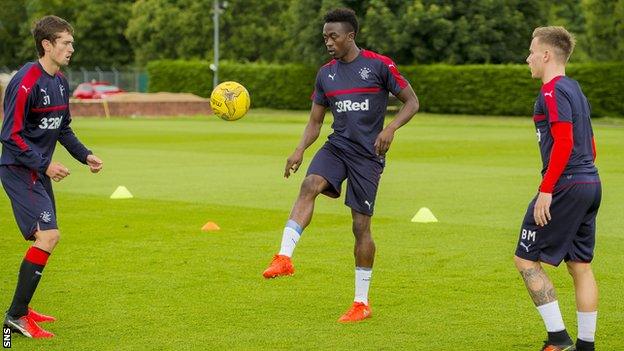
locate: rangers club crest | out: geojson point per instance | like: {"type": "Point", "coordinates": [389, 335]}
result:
{"type": "Point", "coordinates": [46, 217]}
{"type": "Point", "coordinates": [365, 73]}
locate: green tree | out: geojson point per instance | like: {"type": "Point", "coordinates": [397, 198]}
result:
{"type": "Point", "coordinates": [98, 30]}
{"type": "Point", "coordinates": [304, 23]}
{"type": "Point", "coordinates": [162, 29]}
{"type": "Point", "coordinates": [380, 32]}
{"type": "Point", "coordinates": [480, 31]}
{"type": "Point", "coordinates": [35, 9]}
{"type": "Point", "coordinates": [426, 33]}
{"type": "Point", "coordinates": [253, 30]}
{"type": "Point", "coordinates": [605, 28]}
{"type": "Point", "coordinates": [570, 14]}
{"type": "Point", "coordinates": [10, 39]}
{"type": "Point", "coordinates": [99, 34]}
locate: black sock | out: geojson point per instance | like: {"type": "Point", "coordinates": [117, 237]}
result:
{"type": "Point", "coordinates": [559, 338]}
{"type": "Point", "coordinates": [582, 345]}
{"type": "Point", "coordinates": [27, 281]}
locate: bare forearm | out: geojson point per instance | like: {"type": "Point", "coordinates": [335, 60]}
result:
{"type": "Point", "coordinates": [310, 134]}
{"type": "Point", "coordinates": [405, 114]}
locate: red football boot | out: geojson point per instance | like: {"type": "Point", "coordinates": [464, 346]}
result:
{"type": "Point", "coordinates": [358, 311]}
{"type": "Point", "coordinates": [280, 266]}
{"type": "Point", "coordinates": [38, 317]}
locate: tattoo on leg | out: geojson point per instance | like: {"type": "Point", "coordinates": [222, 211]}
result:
{"type": "Point", "coordinates": [539, 286]}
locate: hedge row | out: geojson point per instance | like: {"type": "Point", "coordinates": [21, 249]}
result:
{"type": "Point", "coordinates": [270, 85]}
{"type": "Point", "coordinates": [468, 89]}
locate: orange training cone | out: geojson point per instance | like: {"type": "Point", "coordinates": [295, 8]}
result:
{"type": "Point", "coordinates": [210, 226]}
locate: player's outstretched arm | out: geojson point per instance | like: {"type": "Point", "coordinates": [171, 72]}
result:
{"type": "Point", "coordinates": [310, 134]}
{"type": "Point", "coordinates": [407, 111]}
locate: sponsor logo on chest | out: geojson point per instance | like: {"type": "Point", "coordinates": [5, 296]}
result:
{"type": "Point", "coordinates": [349, 105]}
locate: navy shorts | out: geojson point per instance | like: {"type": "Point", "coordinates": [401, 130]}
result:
{"type": "Point", "coordinates": [363, 176]}
{"type": "Point", "coordinates": [31, 197]}
{"type": "Point", "coordinates": [571, 233]}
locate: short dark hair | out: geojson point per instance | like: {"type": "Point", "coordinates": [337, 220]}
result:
{"type": "Point", "coordinates": [49, 28]}
{"type": "Point", "coordinates": [343, 15]}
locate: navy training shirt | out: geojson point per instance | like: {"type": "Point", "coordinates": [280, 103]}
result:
{"type": "Point", "coordinates": [36, 116]}
{"type": "Point", "coordinates": [357, 93]}
{"type": "Point", "coordinates": [562, 100]}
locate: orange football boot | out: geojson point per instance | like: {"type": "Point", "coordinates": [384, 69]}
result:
{"type": "Point", "coordinates": [280, 266]}
{"type": "Point", "coordinates": [358, 311]}
{"type": "Point", "coordinates": [27, 327]}
{"type": "Point", "coordinates": [38, 317]}
{"type": "Point", "coordinates": [550, 347]}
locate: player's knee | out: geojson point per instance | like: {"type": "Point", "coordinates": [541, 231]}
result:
{"type": "Point", "coordinates": [578, 268]}
{"type": "Point", "coordinates": [362, 234]}
{"type": "Point", "coordinates": [47, 239]}
{"type": "Point", "coordinates": [522, 264]}
{"type": "Point", "coordinates": [311, 185]}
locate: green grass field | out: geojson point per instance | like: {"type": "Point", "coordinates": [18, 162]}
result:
{"type": "Point", "coordinates": [139, 274]}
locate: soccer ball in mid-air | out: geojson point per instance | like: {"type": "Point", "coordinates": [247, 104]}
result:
{"type": "Point", "coordinates": [230, 101]}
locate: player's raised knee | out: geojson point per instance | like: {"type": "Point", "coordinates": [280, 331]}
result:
{"type": "Point", "coordinates": [313, 185]}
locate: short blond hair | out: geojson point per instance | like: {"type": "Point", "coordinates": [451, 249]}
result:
{"type": "Point", "coordinates": [557, 37]}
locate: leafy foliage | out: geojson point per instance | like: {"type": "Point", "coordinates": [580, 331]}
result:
{"type": "Point", "coordinates": [126, 32]}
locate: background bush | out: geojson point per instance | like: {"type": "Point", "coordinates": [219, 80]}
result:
{"type": "Point", "coordinates": [463, 89]}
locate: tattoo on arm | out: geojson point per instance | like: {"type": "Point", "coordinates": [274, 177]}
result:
{"type": "Point", "coordinates": [539, 285]}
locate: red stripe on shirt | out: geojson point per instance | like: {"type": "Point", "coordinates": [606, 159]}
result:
{"type": "Point", "coordinates": [23, 91]}
{"type": "Point", "coordinates": [391, 66]}
{"type": "Point", "coordinates": [550, 98]}
{"type": "Point", "coordinates": [330, 63]}
{"type": "Point", "coordinates": [353, 91]}
{"type": "Point", "coordinates": [49, 109]}
{"type": "Point", "coordinates": [537, 118]}
{"type": "Point", "coordinates": [560, 154]}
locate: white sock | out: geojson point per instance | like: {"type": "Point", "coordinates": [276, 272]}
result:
{"type": "Point", "coordinates": [587, 325]}
{"type": "Point", "coordinates": [552, 316]}
{"type": "Point", "coordinates": [362, 283]}
{"type": "Point", "coordinates": [290, 237]}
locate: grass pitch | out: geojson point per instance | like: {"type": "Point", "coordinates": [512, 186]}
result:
{"type": "Point", "coordinates": [139, 274]}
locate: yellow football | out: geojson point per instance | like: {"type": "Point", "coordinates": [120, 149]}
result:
{"type": "Point", "coordinates": [230, 101]}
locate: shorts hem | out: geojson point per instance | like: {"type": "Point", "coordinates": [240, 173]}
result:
{"type": "Point", "coordinates": [580, 261]}
{"type": "Point", "coordinates": [359, 209]}
{"type": "Point", "coordinates": [38, 226]}
{"type": "Point", "coordinates": [539, 258]}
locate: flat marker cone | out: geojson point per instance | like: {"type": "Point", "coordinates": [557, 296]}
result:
{"type": "Point", "coordinates": [424, 215]}
{"type": "Point", "coordinates": [121, 193]}
{"type": "Point", "coordinates": [210, 226]}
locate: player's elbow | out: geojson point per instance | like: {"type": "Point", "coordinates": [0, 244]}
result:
{"type": "Point", "coordinates": [411, 106]}
{"type": "Point", "coordinates": [416, 105]}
